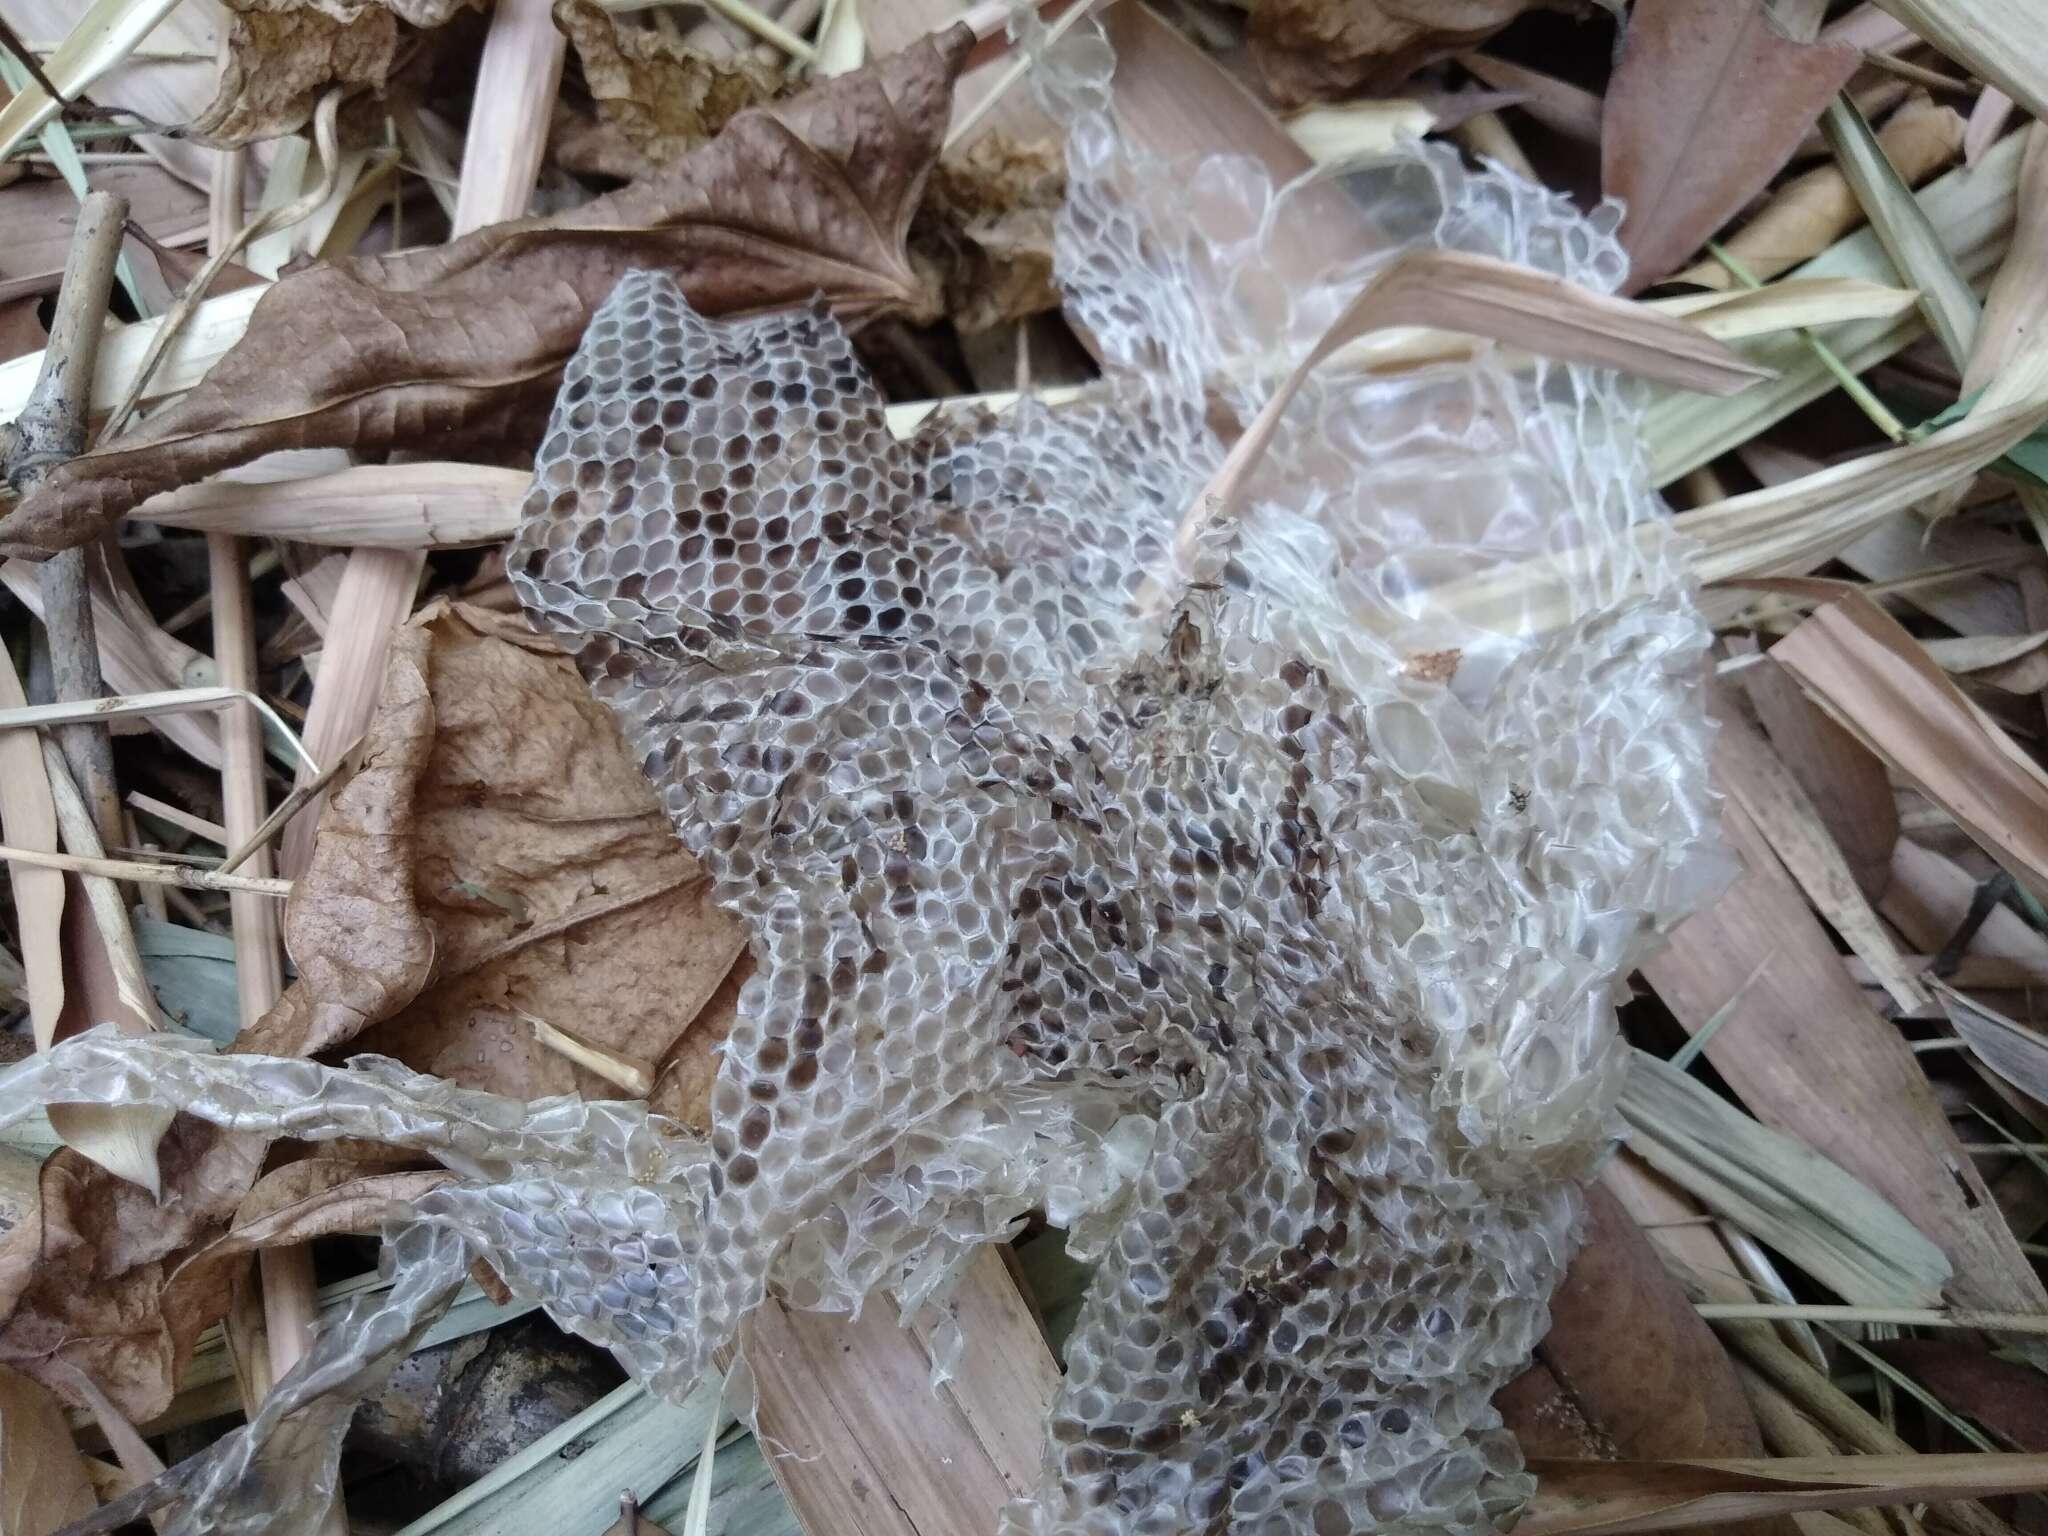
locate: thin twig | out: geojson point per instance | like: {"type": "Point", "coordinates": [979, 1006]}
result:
{"type": "Point", "coordinates": [287, 808]}
{"type": "Point", "coordinates": [51, 429]}
{"type": "Point", "coordinates": [137, 870]}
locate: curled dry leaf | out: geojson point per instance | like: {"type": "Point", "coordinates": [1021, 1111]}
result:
{"type": "Point", "coordinates": [1630, 1358]}
{"type": "Point", "coordinates": [664, 99]}
{"type": "Point", "coordinates": [90, 1284]}
{"type": "Point", "coordinates": [43, 1481]}
{"type": "Point", "coordinates": [1811, 212]}
{"type": "Point", "coordinates": [986, 230]}
{"type": "Point", "coordinates": [458, 348]}
{"type": "Point", "coordinates": [284, 55]}
{"type": "Point", "coordinates": [533, 874]}
{"type": "Point", "coordinates": [1707, 104]}
{"type": "Point", "coordinates": [1313, 50]}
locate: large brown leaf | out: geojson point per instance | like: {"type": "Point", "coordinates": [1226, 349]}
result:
{"type": "Point", "coordinates": [43, 1482]}
{"type": "Point", "coordinates": [1707, 104]}
{"type": "Point", "coordinates": [524, 859]}
{"type": "Point", "coordinates": [458, 348]}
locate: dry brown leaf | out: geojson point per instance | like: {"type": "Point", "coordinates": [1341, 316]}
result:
{"type": "Point", "coordinates": [986, 229]}
{"type": "Point", "coordinates": [1811, 212]}
{"type": "Point", "coordinates": [526, 870]}
{"type": "Point", "coordinates": [1707, 104]}
{"type": "Point", "coordinates": [459, 347]}
{"type": "Point", "coordinates": [43, 1482]}
{"type": "Point", "coordinates": [352, 927]}
{"type": "Point", "coordinates": [664, 99]}
{"type": "Point", "coordinates": [1314, 50]}
{"type": "Point", "coordinates": [1874, 677]}
{"type": "Point", "coordinates": [1634, 1371]}
{"type": "Point", "coordinates": [284, 55]}
{"type": "Point", "coordinates": [90, 1284]}
{"type": "Point", "coordinates": [2007, 1398]}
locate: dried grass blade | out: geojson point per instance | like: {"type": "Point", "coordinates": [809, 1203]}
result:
{"type": "Point", "coordinates": [1816, 1213]}
{"type": "Point", "coordinates": [1788, 306]}
{"type": "Point", "coordinates": [1793, 527]}
{"type": "Point", "coordinates": [1998, 39]}
{"type": "Point", "coordinates": [1973, 211]}
{"type": "Point", "coordinates": [1903, 228]}
{"type": "Point", "coordinates": [1480, 296]}
{"type": "Point", "coordinates": [1747, 768]}
{"type": "Point", "coordinates": [2016, 1053]}
{"type": "Point", "coordinates": [1868, 672]}
{"type": "Point", "coordinates": [105, 35]}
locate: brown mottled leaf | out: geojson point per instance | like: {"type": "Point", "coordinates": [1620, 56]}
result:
{"type": "Point", "coordinates": [527, 859]}
{"type": "Point", "coordinates": [1707, 104]}
{"type": "Point", "coordinates": [43, 1482]}
{"type": "Point", "coordinates": [362, 947]}
{"type": "Point", "coordinates": [986, 229]}
{"type": "Point", "coordinates": [459, 348]}
{"type": "Point", "coordinates": [282, 56]}
{"type": "Point", "coordinates": [662, 97]}
{"type": "Point", "coordinates": [1313, 50]}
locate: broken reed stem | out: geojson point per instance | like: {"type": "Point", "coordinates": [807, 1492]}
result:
{"type": "Point", "coordinates": [137, 870]}
{"type": "Point", "coordinates": [50, 429]}
{"type": "Point", "coordinates": [1839, 1414]}
{"type": "Point", "coordinates": [259, 968]}
{"type": "Point", "coordinates": [291, 1295]}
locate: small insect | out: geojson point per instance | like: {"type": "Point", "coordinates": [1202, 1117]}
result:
{"type": "Point", "coordinates": [1518, 799]}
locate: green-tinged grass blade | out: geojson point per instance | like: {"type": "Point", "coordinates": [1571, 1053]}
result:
{"type": "Point", "coordinates": [1780, 1190]}
{"type": "Point", "coordinates": [1971, 207]}
{"type": "Point", "coordinates": [1903, 228]}
{"type": "Point", "coordinates": [626, 1440]}
{"type": "Point", "coordinates": [1888, 1372]}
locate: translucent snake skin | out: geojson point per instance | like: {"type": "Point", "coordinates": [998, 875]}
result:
{"type": "Point", "coordinates": [1248, 908]}
{"type": "Point", "coordinates": [1269, 958]}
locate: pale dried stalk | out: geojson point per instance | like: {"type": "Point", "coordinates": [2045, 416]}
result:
{"type": "Point", "coordinates": [518, 79]}
{"type": "Point", "coordinates": [290, 1294]}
